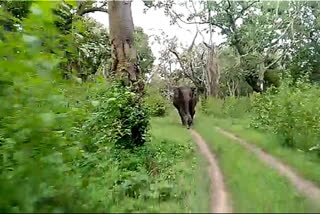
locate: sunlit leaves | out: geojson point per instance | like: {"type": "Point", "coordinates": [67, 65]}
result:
{"type": "Point", "coordinates": [292, 111]}
{"type": "Point", "coordinates": [118, 118]}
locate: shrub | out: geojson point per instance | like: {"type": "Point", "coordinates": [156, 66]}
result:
{"type": "Point", "coordinates": [292, 111]}
{"type": "Point", "coordinates": [156, 103]}
{"type": "Point", "coordinates": [35, 154]}
{"type": "Point", "coordinates": [234, 107]}
{"type": "Point", "coordinates": [44, 166]}
{"type": "Point", "coordinates": [119, 118]}
{"type": "Point", "coordinates": [56, 155]}
{"type": "Point", "coordinates": [237, 107]}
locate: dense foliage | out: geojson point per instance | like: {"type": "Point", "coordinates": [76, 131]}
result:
{"type": "Point", "coordinates": [60, 141]}
{"type": "Point", "coordinates": [157, 104]}
{"type": "Point", "coordinates": [261, 39]}
{"type": "Point", "coordinates": [229, 107]}
{"type": "Point", "coordinates": [119, 118]}
{"type": "Point", "coordinates": [292, 111]}
{"type": "Point", "coordinates": [34, 117]}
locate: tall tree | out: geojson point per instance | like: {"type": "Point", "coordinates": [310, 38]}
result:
{"type": "Point", "coordinates": [132, 116]}
{"type": "Point", "coordinates": [124, 55]}
{"type": "Point", "coordinates": [258, 31]}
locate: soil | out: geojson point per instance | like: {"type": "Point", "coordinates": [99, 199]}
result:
{"type": "Point", "coordinates": [220, 201]}
{"type": "Point", "coordinates": [305, 187]}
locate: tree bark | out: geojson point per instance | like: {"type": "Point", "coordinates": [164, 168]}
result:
{"type": "Point", "coordinates": [124, 55]}
{"type": "Point", "coordinates": [213, 73]}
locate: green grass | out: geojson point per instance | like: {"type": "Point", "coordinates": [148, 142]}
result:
{"type": "Point", "coordinates": [254, 187]}
{"type": "Point", "coordinates": [191, 170]}
{"type": "Point", "coordinates": [306, 164]}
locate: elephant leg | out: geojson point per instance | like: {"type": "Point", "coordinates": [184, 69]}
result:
{"type": "Point", "coordinates": [192, 110]}
{"type": "Point", "coordinates": [179, 111]}
{"type": "Point", "coordinates": [182, 117]}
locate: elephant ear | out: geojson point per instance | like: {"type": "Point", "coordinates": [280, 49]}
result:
{"type": "Point", "coordinates": [176, 91]}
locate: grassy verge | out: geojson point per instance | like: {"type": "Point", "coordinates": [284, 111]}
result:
{"type": "Point", "coordinates": [166, 174]}
{"type": "Point", "coordinates": [306, 164]}
{"type": "Point", "coordinates": [186, 173]}
{"type": "Point", "coordinates": [189, 168]}
{"type": "Point", "coordinates": [253, 186]}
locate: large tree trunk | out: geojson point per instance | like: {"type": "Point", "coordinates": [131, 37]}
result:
{"type": "Point", "coordinates": [212, 68]}
{"type": "Point", "coordinates": [124, 56]}
{"type": "Point", "coordinates": [213, 73]}
{"type": "Point", "coordinates": [125, 70]}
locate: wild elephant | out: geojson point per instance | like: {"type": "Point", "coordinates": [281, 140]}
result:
{"type": "Point", "coordinates": [185, 100]}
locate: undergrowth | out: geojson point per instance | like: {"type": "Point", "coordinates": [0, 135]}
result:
{"type": "Point", "coordinates": [290, 111]}
{"type": "Point", "coordinates": [68, 147]}
{"type": "Point", "coordinates": [253, 186]}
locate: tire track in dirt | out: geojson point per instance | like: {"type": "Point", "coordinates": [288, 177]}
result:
{"type": "Point", "coordinates": [220, 202]}
{"type": "Point", "coordinates": [305, 187]}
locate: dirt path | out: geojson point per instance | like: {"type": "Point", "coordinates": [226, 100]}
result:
{"type": "Point", "coordinates": [220, 202]}
{"type": "Point", "coordinates": [304, 186]}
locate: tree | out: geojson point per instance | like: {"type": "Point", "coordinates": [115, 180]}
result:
{"type": "Point", "coordinates": [305, 49]}
{"type": "Point", "coordinates": [212, 70]}
{"type": "Point", "coordinates": [196, 63]}
{"type": "Point", "coordinates": [124, 55]}
{"type": "Point", "coordinates": [18, 10]}
{"type": "Point", "coordinates": [132, 117]}
{"type": "Point", "coordinates": [256, 30]}
{"type": "Point", "coordinates": [91, 48]}
{"type": "Point", "coordinates": [181, 65]}
{"type": "Point", "coordinates": [90, 51]}
{"type": "Point", "coordinates": [85, 7]}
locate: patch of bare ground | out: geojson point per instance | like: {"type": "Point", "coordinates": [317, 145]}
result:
{"type": "Point", "coordinates": [305, 187]}
{"type": "Point", "coordinates": [220, 201]}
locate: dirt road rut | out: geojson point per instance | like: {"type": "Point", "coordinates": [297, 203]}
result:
{"type": "Point", "coordinates": [304, 186]}
{"type": "Point", "coordinates": [220, 201]}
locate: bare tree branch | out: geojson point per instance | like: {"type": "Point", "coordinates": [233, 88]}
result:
{"type": "Point", "coordinates": [202, 55]}
{"type": "Point", "coordinates": [246, 8]}
{"type": "Point", "coordinates": [194, 79]}
{"type": "Point", "coordinates": [186, 22]}
{"type": "Point", "coordinates": [229, 6]}
{"type": "Point", "coordinates": [82, 10]}
{"type": "Point", "coordinates": [276, 60]}
{"type": "Point", "coordinates": [282, 35]}
{"type": "Point", "coordinates": [91, 10]}
{"type": "Point", "coordinates": [197, 27]}
{"type": "Point", "coordinates": [191, 76]}
{"type": "Point", "coordinates": [192, 44]}
{"type": "Point", "coordinates": [178, 58]}
{"type": "Point", "coordinates": [207, 45]}
{"type": "Point", "coordinates": [195, 22]}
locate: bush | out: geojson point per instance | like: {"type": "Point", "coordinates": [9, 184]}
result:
{"type": "Point", "coordinates": [292, 111]}
{"type": "Point", "coordinates": [119, 118]}
{"type": "Point", "coordinates": [44, 165]}
{"type": "Point", "coordinates": [57, 139]}
{"type": "Point", "coordinates": [35, 154]}
{"type": "Point", "coordinates": [156, 103]}
{"type": "Point", "coordinates": [234, 107]}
